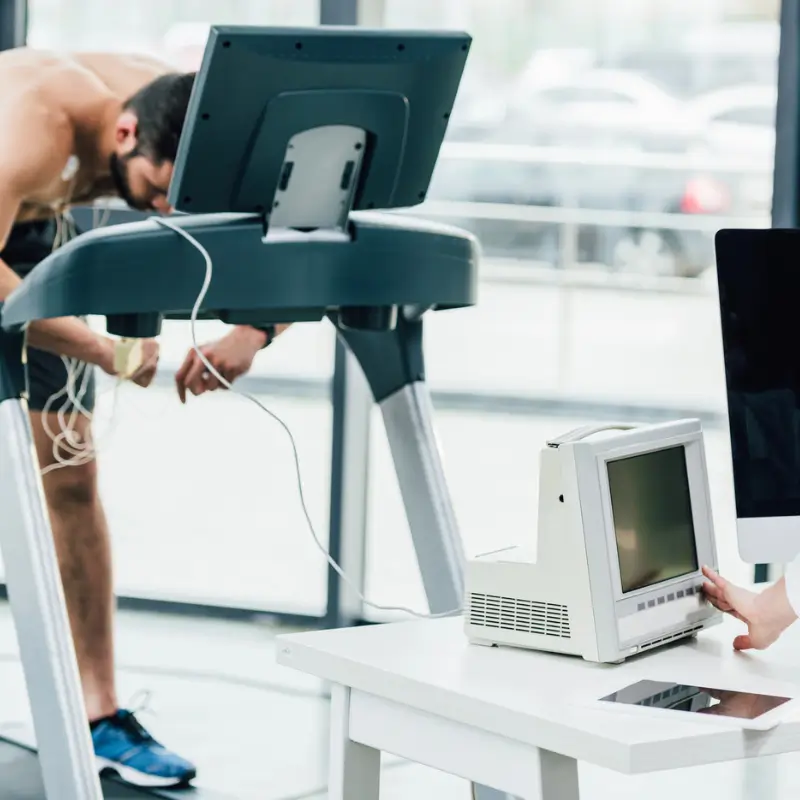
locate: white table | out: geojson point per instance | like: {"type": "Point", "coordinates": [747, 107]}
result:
{"type": "Point", "coordinates": [513, 719]}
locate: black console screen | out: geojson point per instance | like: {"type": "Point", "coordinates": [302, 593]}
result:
{"type": "Point", "coordinates": [758, 272]}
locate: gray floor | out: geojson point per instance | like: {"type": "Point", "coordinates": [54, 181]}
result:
{"type": "Point", "coordinates": [258, 731]}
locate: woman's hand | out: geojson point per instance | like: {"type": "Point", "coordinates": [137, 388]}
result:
{"type": "Point", "coordinates": [767, 614]}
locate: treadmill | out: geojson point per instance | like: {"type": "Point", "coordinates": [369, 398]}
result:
{"type": "Point", "coordinates": [297, 145]}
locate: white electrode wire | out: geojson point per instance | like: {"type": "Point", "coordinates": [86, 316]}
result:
{"type": "Point", "coordinates": [68, 449]}
{"type": "Point", "coordinates": [210, 367]}
{"type": "Point", "coordinates": [100, 214]}
{"type": "Point", "coordinates": [68, 438]}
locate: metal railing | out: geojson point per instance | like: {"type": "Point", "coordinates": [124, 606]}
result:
{"type": "Point", "coordinates": [569, 222]}
{"type": "Point", "coordinates": [617, 157]}
{"type": "Point", "coordinates": [559, 215]}
{"type": "Point", "coordinates": [570, 218]}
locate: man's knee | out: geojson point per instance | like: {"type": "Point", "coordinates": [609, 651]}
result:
{"type": "Point", "coordinates": [65, 486]}
{"type": "Point", "coordinates": [71, 487]}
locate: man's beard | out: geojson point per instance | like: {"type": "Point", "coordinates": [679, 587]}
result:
{"type": "Point", "coordinates": [119, 174]}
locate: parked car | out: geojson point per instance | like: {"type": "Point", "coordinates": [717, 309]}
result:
{"type": "Point", "coordinates": [738, 119]}
{"type": "Point", "coordinates": [544, 179]}
{"type": "Point", "coordinates": [594, 108]}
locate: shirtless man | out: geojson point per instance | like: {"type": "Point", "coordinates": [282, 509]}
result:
{"type": "Point", "coordinates": [72, 129]}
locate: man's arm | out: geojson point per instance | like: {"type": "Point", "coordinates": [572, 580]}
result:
{"type": "Point", "coordinates": [67, 336]}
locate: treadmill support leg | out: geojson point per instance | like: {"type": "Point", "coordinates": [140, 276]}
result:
{"type": "Point", "coordinates": [407, 417]}
{"type": "Point", "coordinates": [38, 606]}
{"type": "Point", "coordinates": [393, 365]}
{"type": "Point", "coordinates": [392, 361]}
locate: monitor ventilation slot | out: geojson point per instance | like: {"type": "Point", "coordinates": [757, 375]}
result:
{"type": "Point", "coordinates": [670, 638]}
{"type": "Point", "coordinates": [522, 616]}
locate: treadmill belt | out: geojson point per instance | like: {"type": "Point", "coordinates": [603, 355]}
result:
{"type": "Point", "coordinates": [21, 779]}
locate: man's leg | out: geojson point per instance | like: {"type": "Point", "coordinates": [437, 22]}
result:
{"type": "Point", "coordinates": [121, 744]}
{"type": "Point", "coordinates": [82, 542]}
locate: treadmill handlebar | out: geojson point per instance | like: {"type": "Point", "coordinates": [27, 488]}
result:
{"type": "Point", "coordinates": [142, 268]}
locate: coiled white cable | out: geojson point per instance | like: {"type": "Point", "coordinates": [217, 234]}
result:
{"type": "Point", "coordinates": [210, 367]}
{"type": "Point", "coordinates": [69, 449]}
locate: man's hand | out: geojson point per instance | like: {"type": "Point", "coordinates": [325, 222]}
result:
{"type": "Point", "coordinates": [767, 615]}
{"type": "Point", "coordinates": [147, 371]}
{"type": "Point", "coordinates": [231, 356]}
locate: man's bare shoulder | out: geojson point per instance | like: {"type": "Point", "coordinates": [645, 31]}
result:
{"type": "Point", "coordinates": [99, 61]}
{"type": "Point", "coordinates": [29, 57]}
{"type": "Point", "coordinates": [36, 141]}
{"type": "Point", "coordinates": [21, 57]}
{"type": "Point", "coordinates": [36, 133]}
{"type": "Point", "coordinates": [31, 77]}
{"type": "Point", "coordinates": [29, 80]}
{"type": "Point", "coordinates": [123, 73]}
{"type": "Point", "coordinates": [71, 74]}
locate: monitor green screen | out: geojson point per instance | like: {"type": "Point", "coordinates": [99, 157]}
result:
{"type": "Point", "coordinates": [652, 511]}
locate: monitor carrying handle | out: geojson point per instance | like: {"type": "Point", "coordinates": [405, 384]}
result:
{"type": "Point", "coordinates": [585, 431]}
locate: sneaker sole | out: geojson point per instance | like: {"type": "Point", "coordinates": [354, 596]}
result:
{"type": "Point", "coordinates": [142, 779]}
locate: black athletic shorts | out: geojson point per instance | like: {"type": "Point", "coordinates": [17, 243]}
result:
{"type": "Point", "coordinates": [28, 244]}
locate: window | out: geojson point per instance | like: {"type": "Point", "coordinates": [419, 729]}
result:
{"type": "Point", "coordinates": [597, 296]}
{"type": "Point", "coordinates": [577, 155]}
{"type": "Point", "coordinates": [175, 31]}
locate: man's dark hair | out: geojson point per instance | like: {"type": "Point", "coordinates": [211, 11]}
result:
{"type": "Point", "coordinates": [160, 108]}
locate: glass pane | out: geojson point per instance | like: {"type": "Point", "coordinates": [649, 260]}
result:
{"type": "Point", "coordinates": [174, 30]}
{"type": "Point", "coordinates": [594, 150]}
{"type": "Point", "coordinates": [203, 502]}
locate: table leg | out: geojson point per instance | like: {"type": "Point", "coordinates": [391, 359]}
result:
{"type": "Point", "coordinates": [485, 793]}
{"type": "Point", "coordinates": [354, 769]}
{"type": "Point", "coordinates": [558, 778]}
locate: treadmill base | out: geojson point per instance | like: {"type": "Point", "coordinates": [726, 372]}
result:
{"type": "Point", "coordinates": [22, 780]}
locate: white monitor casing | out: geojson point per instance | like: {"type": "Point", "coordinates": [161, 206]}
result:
{"type": "Point", "coordinates": [768, 540]}
{"type": "Point", "coordinates": [563, 593]}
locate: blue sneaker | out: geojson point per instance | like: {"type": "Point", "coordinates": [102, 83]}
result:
{"type": "Point", "coordinates": [123, 746]}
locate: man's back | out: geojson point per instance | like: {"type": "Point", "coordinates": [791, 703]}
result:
{"type": "Point", "coordinates": [51, 107]}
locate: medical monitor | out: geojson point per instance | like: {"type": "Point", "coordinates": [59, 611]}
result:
{"type": "Point", "coordinates": [615, 566]}
{"type": "Point", "coordinates": [758, 275]}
